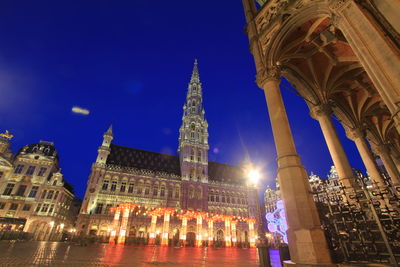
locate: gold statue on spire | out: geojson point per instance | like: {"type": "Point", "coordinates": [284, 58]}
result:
{"type": "Point", "coordinates": [6, 135]}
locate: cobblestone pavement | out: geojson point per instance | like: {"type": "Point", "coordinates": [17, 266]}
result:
{"type": "Point", "coordinates": [63, 254]}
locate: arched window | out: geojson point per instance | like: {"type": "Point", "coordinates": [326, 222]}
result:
{"type": "Point", "coordinates": [170, 192]}
{"type": "Point", "coordinates": [199, 193]}
{"type": "Point", "coordinates": [192, 172]}
{"type": "Point", "coordinates": [192, 154]}
{"type": "Point", "coordinates": [199, 156]}
{"type": "Point", "coordinates": [162, 192]}
{"type": "Point", "coordinates": [191, 192]}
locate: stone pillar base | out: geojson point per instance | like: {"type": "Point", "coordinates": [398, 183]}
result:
{"type": "Point", "coordinates": [293, 264]}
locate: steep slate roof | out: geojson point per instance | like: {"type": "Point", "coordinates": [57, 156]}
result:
{"type": "Point", "coordinates": [142, 159]}
{"type": "Point", "coordinates": [226, 173]}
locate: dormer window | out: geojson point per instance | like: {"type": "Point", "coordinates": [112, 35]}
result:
{"type": "Point", "coordinates": [19, 168]}
{"type": "Point", "coordinates": [30, 170]}
{"type": "Point", "coordinates": [42, 171]}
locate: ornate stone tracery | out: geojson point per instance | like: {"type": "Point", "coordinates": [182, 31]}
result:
{"type": "Point", "coordinates": [340, 54]}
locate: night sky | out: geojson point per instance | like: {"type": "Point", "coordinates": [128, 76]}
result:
{"type": "Point", "coordinates": [129, 63]}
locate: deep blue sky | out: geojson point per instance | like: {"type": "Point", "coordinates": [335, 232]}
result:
{"type": "Point", "coordinates": [129, 63]}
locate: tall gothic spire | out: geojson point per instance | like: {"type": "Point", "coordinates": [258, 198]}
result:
{"type": "Point", "coordinates": [195, 74]}
{"type": "Point", "coordinates": [193, 134]}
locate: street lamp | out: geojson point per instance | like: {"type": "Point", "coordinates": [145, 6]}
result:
{"type": "Point", "coordinates": [253, 175]}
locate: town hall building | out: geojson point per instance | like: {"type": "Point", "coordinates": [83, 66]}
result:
{"type": "Point", "coordinates": [138, 196]}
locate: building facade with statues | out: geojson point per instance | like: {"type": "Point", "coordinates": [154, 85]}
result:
{"type": "Point", "coordinates": [342, 57]}
{"type": "Point", "coordinates": [145, 197]}
{"type": "Point", "coordinates": [34, 197]}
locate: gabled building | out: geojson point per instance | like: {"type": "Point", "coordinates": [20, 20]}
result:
{"type": "Point", "coordinates": [34, 197]}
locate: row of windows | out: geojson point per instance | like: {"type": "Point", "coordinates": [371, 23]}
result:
{"type": "Point", "coordinates": [233, 200]}
{"type": "Point", "coordinates": [130, 188]}
{"type": "Point", "coordinates": [100, 206]}
{"type": "Point", "coordinates": [30, 170]}
{"type": "Point", "coordinates": [233, 212]}
{"type": "Point", "coordinates": [46, 208]}
{"type": "Point", "coordinates": [199, 155]}
{"type": "Point", "coordinates": [46, 194]}
{"type": "Point", "coordinates": [230, 193]}
{"type": "Point", "coordinates": [14, 206]}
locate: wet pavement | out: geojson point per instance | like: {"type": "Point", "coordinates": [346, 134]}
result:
{"type": "Point", "coordinates": [64, 254]}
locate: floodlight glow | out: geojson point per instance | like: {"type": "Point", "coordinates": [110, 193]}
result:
{"type": "Point", "coordinates": [254, 176]}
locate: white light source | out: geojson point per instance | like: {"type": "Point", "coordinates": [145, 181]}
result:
{"type": "Point", "coordinates": [254, 176]}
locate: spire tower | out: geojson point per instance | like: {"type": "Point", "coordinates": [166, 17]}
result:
{"type": "Point", "coordinates": [193, 134]}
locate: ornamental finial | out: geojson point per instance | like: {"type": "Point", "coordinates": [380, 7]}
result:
{"type": "Point", "coordinates": [195, 73]}
{"type": "Point", "coordinates": [6, 135]}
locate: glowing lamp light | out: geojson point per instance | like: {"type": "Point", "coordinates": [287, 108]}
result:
{"type": "Point", "coordinates": [210, 239]}
{"type": "Point", "coordinates": [234, 239]}
{"type": "Point", "coordinates": [51, 223]}
{"type": "Point", "coordinates": [62, 226]}
{"type": "Point", "coordinates": [122, 233]}
{"type": "Point", "coordinates": [151, 235]}
{"type": "Point", "coordinates": [157, 232]}
{"type": "Point", "coordinates": [165, 235]}
{"type": "Point", "coordinates": [254, 176]}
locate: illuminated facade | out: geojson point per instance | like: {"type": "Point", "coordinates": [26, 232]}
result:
{"type": "Point", "coordinates": [34, 197]}
{"type": "Point", "coordinates": [152, 198]}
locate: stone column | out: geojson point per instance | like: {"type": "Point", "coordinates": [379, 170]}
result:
{"type": "Point", "coordinates": [115, 225]}
{"type": "Point", "coordinates": [165, 231]}
{"type": "Point", "coordinates": [376, 52]}
{"type": "Point", "coordinates": [124, 225]}
{"type": "Point", "coordinates": [183, 231]}
{"type": "Point", "coordinates": [210, 232]}
{"type": "Point", "coordinates": [252, 233]}
{"type": "Point", "coordinates": [199, 237]}
{"type": "Point", "coordinates": [396, 161]}
{"type": "Point", "coordinates": [228, 242]}
{"type": "Point", "coordinates": [383, 152]}
{"type": "Point", "coordinates": [368, 159]}
{"type": "Point", "coordinates": [322, 114]}
{"type": "Point", "coordinates": [153, 225]}
{"type": "Point", "coordinates": [233, 233]}
{"type": "Point", "coordinates": [307, 243]}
